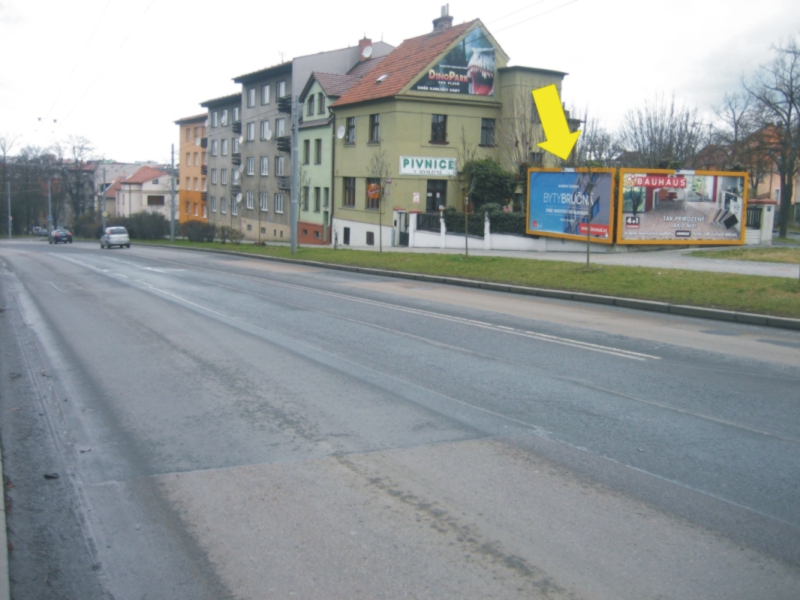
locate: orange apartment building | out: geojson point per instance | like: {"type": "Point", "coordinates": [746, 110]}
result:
{"type": "Point", "coordinates": [192, 161]}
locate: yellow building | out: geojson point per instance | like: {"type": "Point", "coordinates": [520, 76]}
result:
{"type": "Point", "coordinates": [192, 161]}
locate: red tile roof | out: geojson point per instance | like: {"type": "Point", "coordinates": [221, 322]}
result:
{"type": "Point", "coordinates": [402, 65]}
{"type": "Point", "coordinates": [116, 185]}
{"type": "Point", "coordinates": [146, 174]}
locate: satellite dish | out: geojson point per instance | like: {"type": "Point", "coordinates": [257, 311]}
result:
{"type": "Point", "coordinates": [241, 168]}
{"type": "Point", "coordinates": [382, 78]}
{"type": "Point", "coordinates": [269, 134]}
{"type": "Point", "coordinates": [196, 141]}
{"type": "Point", "coordinates": [367, 52]}
{"type": "Point", "coordinates": [238, 197]}
{"type": "Point", "coordinates": [340, 132]}
{"type": "Point", "coordinates": [241, 139]}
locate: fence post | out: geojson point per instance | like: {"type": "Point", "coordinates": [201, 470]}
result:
{"type": "Point", "coordinates": [767, 222]}
{"type": "Point", "coordinates": [442, 232]}
{"type": "Point", "coordinates": [487, 231]}
{"type": "Point", "coordinates": [412, 230]}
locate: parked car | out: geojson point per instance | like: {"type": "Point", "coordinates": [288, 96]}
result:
{"type": "Point", "coordinates": [39, 230]}
{"type": "Point", "coordinates": [115, 236]}
{"type": "Point", "coordinates": [60, 235]}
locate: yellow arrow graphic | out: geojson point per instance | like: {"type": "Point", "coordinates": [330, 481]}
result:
{"type": "Point", "coordinates": [560, 141]}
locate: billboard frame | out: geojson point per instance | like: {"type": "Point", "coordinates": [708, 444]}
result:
{"type": "Point", "coordinates": [568, 236]}
{"type": "Point", "coordinates": [618, 239]}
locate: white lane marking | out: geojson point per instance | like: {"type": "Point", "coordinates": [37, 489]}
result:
{"type": "Point", "coordinates": [55, 286]}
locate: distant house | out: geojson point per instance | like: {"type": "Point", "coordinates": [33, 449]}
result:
{"type": "Point", "coordinates": [147, 190]}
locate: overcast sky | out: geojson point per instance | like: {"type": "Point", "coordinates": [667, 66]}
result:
{"type": "Point", "coordinates": [120, 72]}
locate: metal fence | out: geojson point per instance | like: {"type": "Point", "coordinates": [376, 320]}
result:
{"type": "Point", "coordinates": [428, 222]}
{"type": "Point", "coordinates": [753, 217]}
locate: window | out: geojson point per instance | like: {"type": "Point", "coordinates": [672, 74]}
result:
{"type": "Point", "coordinates": [251, 132]}
{"type": "Point", "coordinates": [223, 179]}
{"type": "Point", "coordinates": [196, 159]}
{"type": "Point", "coordinates": [281, 89]}
{"type": "Point", "coordinates": [304, 198]}
{"type": "Point", "coordinates": [251, 97]}
{"type": "Point", "coordinates": [327, 192]}
{"type": "Point", "coordinates": [195, 209]}
{"type": "Point", "coordinates": [487, 132]}
{"type": "Point", "coordinates": [235, 145]}
{"type": "Point", "coordinates": [350, 135]}
{"type": "Point", "coordinates": [263, 202]}
{"type": "Point", "coordinates": [250, 168]}
{"type": "Point", "coordinates": [349, 197]}
{"type": "Point", "coordinates": [374, 190]}
{"type": "Point", "coordinates": [265, 166]}
{"type": "Point", "coordinates": [188, 134]}
{"type": "Point", "coordinates": [370, 238]}
{"type": "Point", "coordinates": [374, 129]}
{"type": "Point", "coordinates": [188, 208]}
{"type": "Point", "coordinates": [214, 147]}
{"type": "Point", "coordinates": [317, 199]}
{"type": "Point", "coordinates": [310, 105]}
{"type": "Point", "coordinates": [321, 103]}
{"type": "Point", "coordinates": [264, 130]}
{"type": "Point", "coordinates": [213, 204]}
{"type": "Point", "coordinates": [235, 206]}
{"type": "Point", "coordinates": [155, 201]}
{"type": "Point", "coordinates": [204, 184]}
{"type": "Point", "coordinates": [223, 205]}
{"type": "Point", "coordinates": [214, 176]}
{"type": "Point", "coordinates": [188, 187]}
{"type": "Point", "coordinates": [265, 94]}
{"type": "Point", "coordinates": [203, 159]}
{"type": "Point", "coordinates": [214, 119]}
{"type": "Point", "coordinates": [306, 151]}
{"type": "Point", "coordinates": [280, 127]}
{"type": "Point", "coordinates": [234, 176]}
{"type": "Point", "coordinates": [278, 203]}
{"type": "Point", "coordinates": [438, 129]}
{"type": "Point", "coordinates": [224, 118]}
{"type": "Point", "coordinates": [225, 147]}
{"type": "Point", "coordinates": [251, 196]}
{"type": "Point", "coordinates": [188, 162]}
{"type": "Point", "coordinates": [205, 212]}
{"type": "Point", "coordinates": [279, 166]}
{"type": "Point", "coordinates": [317, 152]}
{"type": "Point", "coordinates": [196, 184]}
{"type": "Point", "coordinates": [236, 116]}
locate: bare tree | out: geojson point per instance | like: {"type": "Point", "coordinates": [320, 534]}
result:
{"type": "Point", "coordinates": [519, 131]}
{"type": "Point", "coordinates": [75, 157]}
{"type": "Point", "coordinates": [775, 90]}
{"type": "Point", "coordinates": [379, 172]}
{"type": "Point", "coordinates": [662, 134]}
{"type": "Point", "coordinates": [464, 180]}
{"type": "Point", "coordinates": [596, 146]}
{"type": "Point", "coordinates": [7, 143]}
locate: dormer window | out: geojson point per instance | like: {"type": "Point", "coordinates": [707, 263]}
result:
{"type": "Point", "coordinates": [155, 181]}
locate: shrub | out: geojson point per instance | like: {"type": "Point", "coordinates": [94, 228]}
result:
{"type": "Point", "coordinates": [236, 236]}
{"type": "Point", "coordinates": [198, 231]}
{"type": "Point", "coordinates": [87, 226]}
{"type": "Point", "coordinates": [454, 222]}
{"type": "Point", "coordinates": [492, 183]}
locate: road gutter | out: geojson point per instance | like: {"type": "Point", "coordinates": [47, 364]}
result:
{"type": "Point", "coordinates": [649, 305]}
{"type": "Point", "coordinates": [5, 590]}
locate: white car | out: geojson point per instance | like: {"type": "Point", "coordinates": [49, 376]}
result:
{"type": "Point", "coordinates": [115, 236]}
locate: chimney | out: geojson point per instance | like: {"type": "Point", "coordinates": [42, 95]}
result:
{"type": "Point", "coordinates": [444, 22]}
{"type": "Point", "coordinates": [364, 43]}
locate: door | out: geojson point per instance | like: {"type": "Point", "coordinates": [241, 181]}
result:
{"type": "Point", "coordinates": [402, 229]}
{"type": "Point", "coordinates": [437, 195]}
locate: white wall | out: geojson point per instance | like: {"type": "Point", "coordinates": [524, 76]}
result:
{"type": "Point", "coordinates": [358, 233]}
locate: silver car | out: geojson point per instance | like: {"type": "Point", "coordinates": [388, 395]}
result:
{"type": "Point", "coordinates": [115, 236]}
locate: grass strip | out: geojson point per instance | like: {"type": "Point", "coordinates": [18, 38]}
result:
{"type": "Point", "coordinates": [726, 291]}
{"type": "Point", "coordinates": [777, 254]}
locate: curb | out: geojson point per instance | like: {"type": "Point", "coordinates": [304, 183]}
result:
{"type": "Point", "coordinates": [5, 591]}
{"type": "Point", "coordinates": [648, 305]}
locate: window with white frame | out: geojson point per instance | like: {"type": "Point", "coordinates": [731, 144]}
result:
{"type": "Point", "coordinates": [205, 212]}
{"type": "Point", "coordinates": [235, 145]}
{"type": "Point", "coordinates": [224, 118]}
{"type": "Point", "coordinates": [236, 116]}
{"type": "Point", "coordinates": [311, 105]}
{"type": "Point", "coordinates": [250, 195]}
{"type": "Point", "coordinates": [204, 184]}
{"type": "Point", "coordinates": [280, 127]}
{"type": "Point", "coordinates": [188, 156]}
{"type": "Point", "coordinates": [281, 89]}
{"type": "Point", "coordinates": [223, 205]}
{"type": "Point", "coordinates": [196, 159]}
{"type": "Point", "coordinates": [250, 167]}
{"type": "Point", "coordinates": [304, 198]}
{"type": "Point", "coordinates": [235, 205]}
{"type": "Point", "coordinates": [265, 166]}
{"type": "Point", "coordinates": [265, 94]}
{"type": "Point", "coordinates": [196, 184]}
{"type": "Point", "coordinates": [278, 203]}
{"type": "Point", "coordinates": [214, 147]}
{"type": "Point", "coordinates": [251, 97]}
{"type": "Point", "coordinates": [234, 176]}
{"type": "Point", "coordinates": [223, 176]}
{"type": "Point", "coordinates": [225, 147]}
{"type": "Point", "coordinates": [263, 201]}
{"type": "Point", "coordinates": [215, 119]}
{"type": "Point", "coordinates": [279, 166]}
{"type": "Point", "coordinates": [265, 129]}
{"type": "Point", "coordinates": [251, 132]}
{"type": "Point", "coordinates": [213, 204]}
{"type": "Point", "coordinates": [214, 176]}
{"type": "Point", "coordinates": [321, 103]}
{"type": "Point", "coordinates": [317, 199]}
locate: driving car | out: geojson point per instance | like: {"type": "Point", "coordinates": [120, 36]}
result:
{"type": "Point", "coordinates": [115, 236]}
{"type": "Point", "coordinates": [60, 235]}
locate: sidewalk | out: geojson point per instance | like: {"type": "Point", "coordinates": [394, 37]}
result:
{"type": "Point", "coordinates": [4, 585]}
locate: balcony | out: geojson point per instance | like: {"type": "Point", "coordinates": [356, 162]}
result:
{"type": "Point", "coordinates": [285, 144]}
{"type": "Point", "coordinates": [237, 127]}
{"type": "Point", "coordinates": [204, 169]}
{"type": "Point", "coordinates": [204, 142]}
{"type": "Point", "coordinates": [204, 196]}
{"type": "Point", "coordinates": [236, 158]}
{"type": "Point", "coordinates": [284, 183]}
{"type": "Point", "coordinates": [236, 189]}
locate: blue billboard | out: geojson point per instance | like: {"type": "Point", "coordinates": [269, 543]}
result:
{"type": "Point", "coordinates": [573, 204]}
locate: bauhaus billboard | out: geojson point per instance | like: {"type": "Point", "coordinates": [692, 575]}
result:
{"type": "Point", "coordinates": [658, 206]}
{"type": "Point", "coordinates": [573, 204]}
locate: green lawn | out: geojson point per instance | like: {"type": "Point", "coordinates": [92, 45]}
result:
{"type": "Point", "coordinates": [764, 295]}
{"type": "Point", "coordinates": [778, 254]}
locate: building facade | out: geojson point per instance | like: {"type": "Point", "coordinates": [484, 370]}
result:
{"type": "Point", "coordinates": [192, 161]}
{"type": "Point", "coordinates": [148, 190]}
{"type": "Point", "coordinates": [222, 179]}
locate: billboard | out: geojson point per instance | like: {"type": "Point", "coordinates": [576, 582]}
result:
{"type": "Point", "coordinates": [469, 68]}
{"type": "Point", "coordinates": [573, 204]}
{"type": "Point", "coordinates": [659, 206]}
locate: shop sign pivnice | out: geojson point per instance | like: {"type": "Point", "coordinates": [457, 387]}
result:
{"type": "Point", "coordinates": [426, 165]}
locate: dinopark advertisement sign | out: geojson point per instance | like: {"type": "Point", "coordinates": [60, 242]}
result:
{"type": "Point", "coordinates": [572, 204]}
{"type": "Point", "coordinates": [469, 68]}
{"type": "Point", "coordinates": [658, 206]}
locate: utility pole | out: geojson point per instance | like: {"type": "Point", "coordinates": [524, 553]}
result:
{"type": "Point", "coordinates": [103, 200]}
{"type": "Point", "coordinates": [172, 200]}
{"type": "Point", "coordinates": [8, 197]}
{"type": "Point", "coordinates": [49, 209]}
{"type": "Point", "coordinates": [295, 172]}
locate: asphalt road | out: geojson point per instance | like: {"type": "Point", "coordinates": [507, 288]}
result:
{"type": "Point", "coordinates": [227, 427]}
